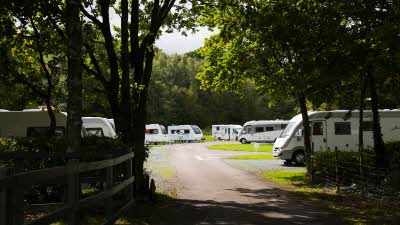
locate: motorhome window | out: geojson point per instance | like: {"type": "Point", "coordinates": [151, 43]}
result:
{"type": "Point", "coordinates": [43, 131]}
{"type": "Point", "coordinates": [342, 128]}
{"type": "Point", "coordinates": [217, 128]}
{"type": "Point", "coordinates": [317, 129]}
{"type": "Point", "coordinates": [367, 126]}
{"type": "Point", "coordinates": [283, 126]}
{"type": "Point", "coordinates": [187, 131]}
{"type": "Point", "coordinates": [163, 130]}
{"type": "Point", "coordinates": [249, 130]}
{"type": "Point", "coordinates": [269, 128]}
{"type": "Point", "coordinates": [259, 129]}
{"type": "Point", "coordinates": [95, 132]}
{"type": "Point", "coordinates": [196, 129]}
{"type": "Point", "coordinates": [153, 131]}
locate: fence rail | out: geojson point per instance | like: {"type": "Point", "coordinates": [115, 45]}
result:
{"type": "Point", "coordinates": [13, 181]}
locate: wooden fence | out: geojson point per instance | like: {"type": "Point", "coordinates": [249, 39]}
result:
{"type": "Point", "coordinates": [13, 181]}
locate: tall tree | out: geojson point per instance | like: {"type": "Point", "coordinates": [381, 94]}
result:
{"type": "Point", "coordinates": [74, 53]}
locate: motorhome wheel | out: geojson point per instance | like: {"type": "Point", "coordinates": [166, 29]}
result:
{"type": "Point", "coordinates": [243, 141]}
{"type": "Point", "coordinates": [299, 158]}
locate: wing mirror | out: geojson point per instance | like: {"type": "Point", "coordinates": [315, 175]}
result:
{"type": "Point", "coordinates": [299, 133]}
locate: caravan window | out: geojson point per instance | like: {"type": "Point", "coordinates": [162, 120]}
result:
{"type": "Point", "coordinates": [342, 128]}
{"type": "Point", "coordinates": [43, 131]}
{"type": "Point", "coordinates": [95, 132]}
{"type": "Point", "coordinates": [196, 129]}
{"type": "Point", "coordinates": [317, 129]}
{"type": "Point", "coordinates": [259, 129]}
{"type": "Point", "coordinates": [367, 125]}
{"type": "Point", "coordinates": [153, 131]}
{"type": "Point", "coordinates": [187, 131]}
{"type": "Point", "coordinates": [269, 128]}
{"type": "Point", "coordinates": [172, 131]}
{"type": "Point", "coordinates": [217, 128]}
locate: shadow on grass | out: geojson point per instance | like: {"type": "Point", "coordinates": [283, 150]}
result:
{"type": "Point", "coordinates": [262, 206]}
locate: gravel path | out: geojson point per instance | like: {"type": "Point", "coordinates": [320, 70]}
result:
{"type": "Point", "coordinates": [211, 191]}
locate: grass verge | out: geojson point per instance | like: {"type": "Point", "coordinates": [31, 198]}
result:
{"type": "Point", "coordinates": [208, 138]}
{"type": "Point", "coordinates": [241, 147]}
{"type": "Point", "coordinates": [253, 157]}
{"type": "Point", "coordinates": [353, 209]}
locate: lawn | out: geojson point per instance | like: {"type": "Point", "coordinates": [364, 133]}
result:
{"type": "Point", "coordinates": [241, 147]}
{"type": "Point", "coordinates": [208, 138]}
{"type": "Point", "coordinates": [353, 208]}
{"type": "Point", "coordinates": [253, 157]}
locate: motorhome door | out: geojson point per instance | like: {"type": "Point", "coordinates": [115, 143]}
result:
{"type": "Point", "coordinates": [318, 135]}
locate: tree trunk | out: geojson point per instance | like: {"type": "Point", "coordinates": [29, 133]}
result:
{"type": "Point", "coordinates": [139, 124]}
{"type": "Point", "coordinates": [307, 132]}
{"type": "Point", "coordinates": [53, 122]}
{"type": "Point", "coordinates": [379, 145]}
{"type": "Point", "coordinates": [125, 104]}
{"type": "Point", "coordinates": [363, 89]}
{"type": "Point", "coordinates": [74, 53]}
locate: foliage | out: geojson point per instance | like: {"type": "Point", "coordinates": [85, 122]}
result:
{"type": "Point", "coordinates": [241, 147]}
{"type": "Point", "coordinates": [253, 157]}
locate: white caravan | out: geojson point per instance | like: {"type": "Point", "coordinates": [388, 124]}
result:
{"type": "Point", "coordinates": [334, 129]}
{"type": "Point", "coordinates": [262, 131]}
{"type": "Point", "coordinates": [98, 126]}
{"type": "Point", "coordinates": [226, 132]}
{"type": "Point", "coordinates": [30, 123]}
{"type": "Point", "coordinates": [185, 133]}
{"type": "Point", "coordinates": [156, 133]}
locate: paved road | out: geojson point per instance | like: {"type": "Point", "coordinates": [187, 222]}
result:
{"type": "Point", "coordinates": [211, 191]}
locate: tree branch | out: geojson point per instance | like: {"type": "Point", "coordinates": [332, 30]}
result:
{"type": "Point", "coordinates": [91, 17]}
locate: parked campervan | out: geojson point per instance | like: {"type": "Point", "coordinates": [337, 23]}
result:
{"type": "Point", "coordinates": [185, 133]}
{"type": "Point", "coordinates": [226, 132]}
{"type": "Point", "coordinates": [30, 123]}
{"type": "Point", "coordinates": [334, 129]}
{"type": "Point", "coordinates": [262, 131]}
{"type": "Point", "coordinates": [98, 126]}
{"type": "Point", "coordinates": [156, 133]}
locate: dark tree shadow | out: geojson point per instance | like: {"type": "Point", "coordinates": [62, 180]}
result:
{"type": "Point", "coordinates": [266, 206]}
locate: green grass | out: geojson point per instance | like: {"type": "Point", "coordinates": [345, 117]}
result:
{"type": "Point", "coordinates": [208, 138]}
{"type": "Point", "coordinates": [241, 147]}
{"type": "Point", "coordinates": [353, 209]}
{"type": "Point", "coordinates": [253, 157]}
{"type": "Point", "coordinates": [287, 177]}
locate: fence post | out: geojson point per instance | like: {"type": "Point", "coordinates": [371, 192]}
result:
{"type": "Point", "coordinates": [337, 169]}
{"type": "Point", "coordinates": [129, 189]}
{"type": "Point", "coordinates": [16, 198]}
{"type": "Point", "coordinates": [108, 204]}
{"type": "Point", "coordinates": [73, 191]}
{"type": "Point", "coordinates": [3, 198]}
{"type": "Point", "coordinates": [362, 173]}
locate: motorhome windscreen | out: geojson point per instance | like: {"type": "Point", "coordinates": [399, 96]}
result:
{"type": "Point", "coordinates": [163, 130]}
{"type": "Point", "coordinates": [196, 129]}
{"type": "Point", "coordinates": [291, 126]}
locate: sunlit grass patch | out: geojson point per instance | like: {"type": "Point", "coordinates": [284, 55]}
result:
{"type": "Point", "coordinates": [241, 147]}
{"type": "Point", "coordinates": [253, 157]}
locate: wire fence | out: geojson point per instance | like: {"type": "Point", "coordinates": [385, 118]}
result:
{"type": "Point", "coordinates": [353, 172]}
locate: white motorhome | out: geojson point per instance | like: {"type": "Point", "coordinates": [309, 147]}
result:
{"type": "Point", "coordinates": [98, 126]}
{"type": "Point", "coordinates": [186, 133]}
{"type": "Point", "coordinates": [262, 131]}
{"type": "Point", "coordinates": [156, 133]}
{"type": "Point", "coordinates": [226, 132]}
{"type": "Point", "coordinates": [334, 129]}
{"type": "Point", "coordinates": [30, 123]}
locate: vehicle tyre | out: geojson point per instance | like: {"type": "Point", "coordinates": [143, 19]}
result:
{"type": "Point", "coordinates": [243, 141]}
{"type": "Point", "coordinates": [299, 158]}
{"type": "Point", "coordinates": [287, 162]}
{"type": "Point", "coordinates": [219, 138]}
